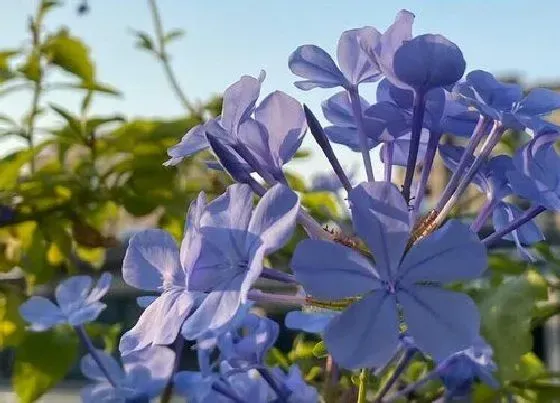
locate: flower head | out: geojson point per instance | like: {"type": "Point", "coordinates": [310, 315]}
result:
{"type": "Point", "coordinates": [235, 240]}
{"type": "Point", "coordinates": [366, 334]}
{"type": "Point", "coordinates": [153, 262]}
{"type": "Point", "coordinates": [77, 302]}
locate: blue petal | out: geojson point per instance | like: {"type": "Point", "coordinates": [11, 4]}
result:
{"type": "Point", "coordinates": [383, 51]}
{"type": "Point", "coordinates": [453, 246]}
{"type": "Point", "coordinates": [380, 218]}
{"type": "Point", "coordinates": [159, 323]}
{"type": "Point", "coordinates": [274, 218]}
{"type": "Point", "coordinates": [316, 66]}
{"type": "Point", "coordinates": [238, 103]}
{"type": "Point", "coordinates": [329, 270]}
{"type": "Point", "coordinates": [366, 334]}
{"type": "Point", "coordinates": [539, 101]}
{"type": "Point", "coordinates": [85, 314]}
{"type": "Point", "coordinates": [72, 293]}
{"type": "Point", "coordinates": [41, 313]}
{"type": "Point", "coordinates": [99, 392]}
{"type": "Point", "coordinates": [152, 258]}
{"type": "Point", "coordinates": [429, 61]}
{"type": "Point", "coordinates": [442, 322]}
{"type": "Point", "coordinates": [310, 322]}
{"type": "Point", "coordinates": [191, 143]}
{"type": "Point", "coordinates": [100, 289]}
{"type": "Point", "coordinates": [217, 310]}
{"type": "Point", "coordinates": [338, 109]}
{"type": "Point", "coordinates": [285, 124]}
{"type": "Point", "coordinates": [193, 385]}
{"type": "Point", "coordinates": [354, 63]}
{"type": "Point", "coordinates": [451, 156]}
{"type": "Point", "coordinates": [395, 121]}
{"type": "Point", "coordinates": [90, 369]}
{"type": "Point", "coordinates": [527, 234]}
{"type": "Point", "coordinates": [149, 370]}
{"type": "Point", "coordinates": [401, 146]}
{"type": "Point", "coordinates": [192, 241]}
{"type": "Point", "coordinates": [389, 92]}
{"type": "Point", "coordinates": [347, 136]}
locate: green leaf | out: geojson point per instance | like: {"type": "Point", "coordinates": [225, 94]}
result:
{"type": "Point", "coordinates": [70, 54]}
{"type": "Point", "coordinates": [295, 182]}
{"type": "Point", "coordinates": [11, 324]}
{"type": "Point", "coordinates": [73, 121]}
{"type": "Point", "coordinates": [11, 165]}
{"type": "Point", "coordinates": [42, 360]}
{"type": "Point", "coordinates": [320, 350]}
{"type": "Point", "coordinates": [506, 318]}
{"type": "Point", "coordinates": [172, 35]}
{"type": "Point", "coordinates": [6, 72]}
{"type": "Point", "coordinates": [34, 262]}
{"type": "Point", "coordinates": [31, 68]}
{"type": "Point", "coordinates": [322, 205]}
{"type": "Point", "coordinates": [144, 41]}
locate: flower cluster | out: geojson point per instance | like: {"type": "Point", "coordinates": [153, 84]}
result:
{"type": "Point", "coordinates": [377, 293]}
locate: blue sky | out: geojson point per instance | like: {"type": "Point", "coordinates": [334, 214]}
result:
{"type": "Point", "coordinates": [228, 38]}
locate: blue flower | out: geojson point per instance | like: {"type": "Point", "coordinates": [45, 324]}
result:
{"type": "Point", "coordinates": [143, 376]}
{"type": "Point", "coordinates": [491, 177]}
{"type": "Point", "coordinates": [460, 370]}
{"type": "Point", "coordinates": [537, 171]}
{"type": "Point", "coordinates": [344, 130]}
{"type": "Point", "coordinates": [366, 334]}
{"type": "Point", "coordinates": [154, 263]}
{"type": "Point", "coordinates": [249, 343]}
{"type": "Point", "coordinates": [504, 101]}
{"type": "Point", "coordinates": [319, 70]}
{"type": "Point", "coordinates": [271, 137]}
{"type": "Point", "coordinates": [293, 382]}
{"type": "Point", "coordinates": [527, 234]}
{"type": "Point", "coordinates": [428, 61]}
{"type": "Point", "coordinates": [77, 303]}
{"type": "Point", "coordinates": [235, 241]}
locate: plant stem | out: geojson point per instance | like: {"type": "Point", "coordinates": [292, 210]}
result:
{"type": "Point", "coordinates": [362, 387]}
{"type": "Point", "coordinates": [162, 56]}
{"type": "Point", "coordinates": [282, 299]}
{"type": "Point", "coordinates": [388, 157]}
{"type": "Point", "coordinates": [526, 217]}
{"type": "Point", "coordinates": [168, 391]}
{"type": "Point", "coordinates": [281, 393]}
{"type": "Point", "coordinates": [86, 341]}
{"type": "Point", "coordinates": [475, 139]}
{"type": "Point", "coordinates": [357, 110]}
{"type": "Point", "coordinates": [484, 213]}
{"type": "Point", "coordinates": [401, 366]}
{"type": "Point", "coordinates": [278, 275]}
{"type": "Point", "coordinates": [431, 149]}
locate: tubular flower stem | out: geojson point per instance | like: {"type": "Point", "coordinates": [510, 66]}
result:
{"type": "Point", "coordinates": [528, 216]}
{"type": "Point", "coordinates": [412, 387]}
{"type": "Point", "coordinates": [86, 341]}
{"type": "Point", "coordinates": [484, 213]}
{"type": "Point", "coordinates": [417, 121]}
{"type": "Point", "coordinates": [355, 101]}
{"type": "Point", "coordinates": [451, 186]}
{"type": "Point", "coordinates": [278, 275]}
{"type": "Point", "coordinates": [401, 366]}
{"type": "Point", "coordinates": [388, 161]}
{"type": "Point", "coordinates": [491, 141]}
{"type": "Point", "coordinates": [426, 169]}
{"type": "Point", "coordinates": [282, 299]}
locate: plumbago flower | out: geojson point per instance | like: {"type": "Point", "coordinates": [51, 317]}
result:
{"type": "Point", "coordinates": [265, 142]}
{"type": "Point", "coordinates": [235, 241]}
{"type": "Point", "coordinates": [77, 303]}
{"type": "Point", "coordinates": [142, 377]}
{"type": "Point", "coordinates": [440, 321]}
{"type": "Point", "coordinates": [505, 102]}
{"type": "Point", "coordinates": [154, 263]}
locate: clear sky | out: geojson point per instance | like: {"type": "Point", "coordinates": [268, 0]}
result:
{"type": "Point", "coordinates": [228, 38]}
